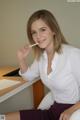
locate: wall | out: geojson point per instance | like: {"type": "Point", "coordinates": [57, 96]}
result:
{"type": "Point", "coordinates": [13, 19]}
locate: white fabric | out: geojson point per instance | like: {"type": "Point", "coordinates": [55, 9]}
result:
{"type": "Point", "coordinates": [64, 80]}
{"type": "Point", "coordinates": [46, 102]}
{"type": "Point", "coordinates": [75, 115]}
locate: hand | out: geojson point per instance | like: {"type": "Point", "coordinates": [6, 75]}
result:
{"type": "Point", "coordinates": [65, 115]}
{"type": "Point", "coordinates": [23, 52]}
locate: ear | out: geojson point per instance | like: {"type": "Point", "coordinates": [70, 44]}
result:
{"type": "Point", "coordinates": [54, 33]}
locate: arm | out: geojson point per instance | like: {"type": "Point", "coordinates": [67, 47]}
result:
{"type": "Point", "coordinates": [27, 72]}
{"type": "Point", "coordinates": [75, 66]}
{"type": "Point", "coordinates": [32, 72]}
{"type": "Point", "coordinates": [67, 113]}
{"type": "Point", "coordinates": [22, 55]}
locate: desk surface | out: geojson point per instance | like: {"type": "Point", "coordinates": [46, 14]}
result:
{"type": "Point", "coordinates": [10, 91]}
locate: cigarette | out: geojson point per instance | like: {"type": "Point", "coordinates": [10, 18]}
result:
{"type": "Point", "coordinates": [33, 45]}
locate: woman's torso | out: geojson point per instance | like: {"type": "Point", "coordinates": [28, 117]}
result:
{"type": "Point", "coordinates": [60, 80]}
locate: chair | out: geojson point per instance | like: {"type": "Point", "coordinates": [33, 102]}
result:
{"type": "Point", "coordinates": [48, 101]}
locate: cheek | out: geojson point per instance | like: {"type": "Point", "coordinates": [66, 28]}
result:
{"type": "Point", "coordinates": [34, 39]}
{"type": "Point", "coordinates": [49, 36]}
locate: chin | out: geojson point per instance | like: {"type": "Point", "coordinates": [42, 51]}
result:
{"type": "Point", "coordinates": [42, 47]}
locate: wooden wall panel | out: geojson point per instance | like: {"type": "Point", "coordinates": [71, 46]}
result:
{"type": "Point", "coordinates": [38, 93]}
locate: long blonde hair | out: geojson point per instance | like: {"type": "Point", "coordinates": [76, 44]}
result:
{"type": "Point", "coordinates": [52, 23]}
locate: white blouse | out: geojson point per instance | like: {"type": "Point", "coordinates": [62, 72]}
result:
{"type": "Point", "coordinates": [64, 79]}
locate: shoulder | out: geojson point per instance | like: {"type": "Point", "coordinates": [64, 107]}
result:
{"type": "Point", "coordinates": [72, 53]}
{"type": "Point", "coordinates": [70, 50]}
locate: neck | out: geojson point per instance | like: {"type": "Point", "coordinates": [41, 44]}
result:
{"type": "Point", "coordinates": [50, 50]}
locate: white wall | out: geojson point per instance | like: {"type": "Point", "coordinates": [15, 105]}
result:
{"type": "Point", "coordinates": [13, 19]}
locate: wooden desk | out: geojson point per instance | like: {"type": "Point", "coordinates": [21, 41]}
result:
{"type": "Point", "coordinates": [38, 89]}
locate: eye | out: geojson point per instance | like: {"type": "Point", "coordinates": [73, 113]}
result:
{"type": "Point", "coordinates": [43, 29]}
{"type": "Point", "coordinates": [33, 32]}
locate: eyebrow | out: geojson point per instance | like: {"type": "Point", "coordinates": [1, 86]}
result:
{"type": "Point", "coordinates": [39, 28]}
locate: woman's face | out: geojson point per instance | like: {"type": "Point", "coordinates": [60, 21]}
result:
{"type": "Point", "coordinates": [42, 34]}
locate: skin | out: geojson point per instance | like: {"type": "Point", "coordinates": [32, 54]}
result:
{"type": "Point", "coordinates": [43, 35]}
{"type": "Point", "coordinates": [12, 116]}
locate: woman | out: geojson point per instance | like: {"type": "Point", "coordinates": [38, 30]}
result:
{"type": "Point", "coordinates": [56, 62]}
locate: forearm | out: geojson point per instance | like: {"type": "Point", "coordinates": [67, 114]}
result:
{"type": "Point", "coordinates": [75, 107]}
{"type": "Point", "coordinates": [23, 66]}
{"type": "Point", "coordinates": [22, 55]}
{"type": "Point", "coordinates": [68, 112]}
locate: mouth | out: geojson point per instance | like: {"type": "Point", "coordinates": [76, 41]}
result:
{"type": "Point", "coordinates": [41, 42]}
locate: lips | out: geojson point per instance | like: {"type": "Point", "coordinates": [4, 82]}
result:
{"type": "Point", "coordinates": [41, 41]}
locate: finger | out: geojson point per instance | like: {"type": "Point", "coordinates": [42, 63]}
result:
{"type": "Point", "coordinates": [26, 46]}
{"type": "Point", "coordinates": [64, 117]}
{"type": "Point", "coordinates": [61, 117]}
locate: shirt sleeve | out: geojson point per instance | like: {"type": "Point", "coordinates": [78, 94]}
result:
{"type": "Point", "coordinates": [32, 72]}
{"type": "Point", "coordinates": [75, 64]}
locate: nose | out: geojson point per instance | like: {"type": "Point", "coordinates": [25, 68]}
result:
{"type": "Point", "coordinates": [38, 35]}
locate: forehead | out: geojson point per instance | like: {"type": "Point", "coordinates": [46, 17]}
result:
{"type": "Point", "coordinates": [38, 24]}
